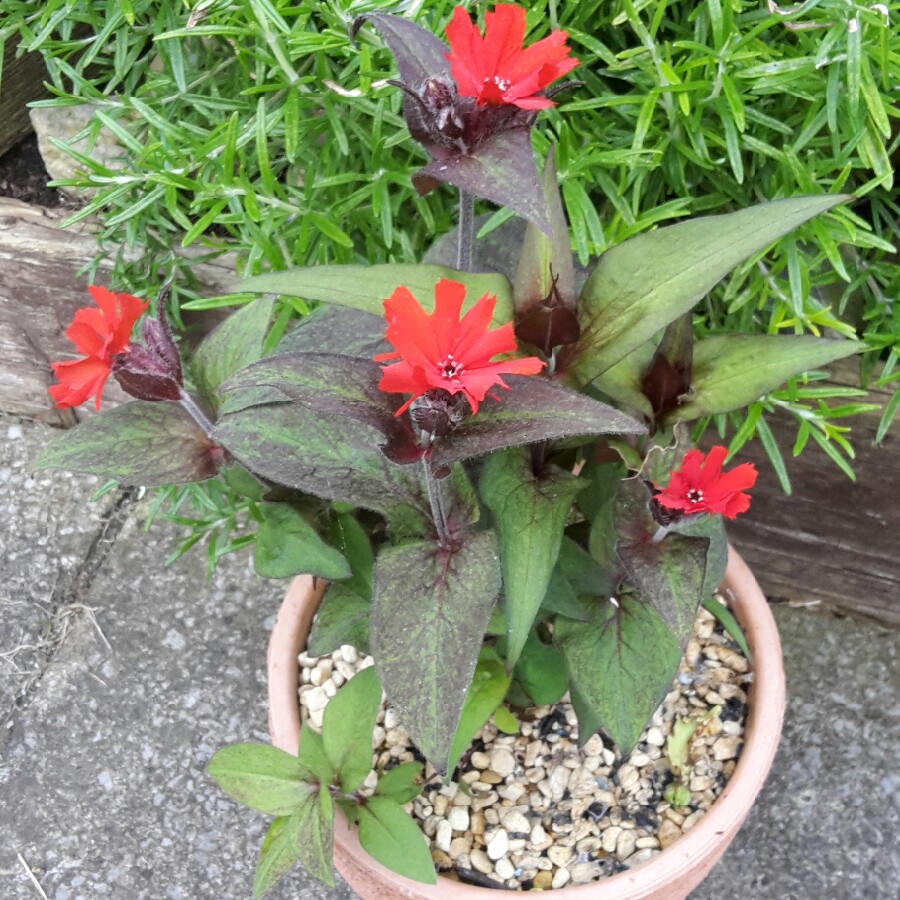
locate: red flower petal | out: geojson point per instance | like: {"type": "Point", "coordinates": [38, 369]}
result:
{"type": "Point", "coordinates": [99, 333]}
{"type": "Point", "coordinates": [700, 486]}
{"type": "Point", "coordinates": [443, 352]}
{"type": "Point", "coordinates": [495, 69]}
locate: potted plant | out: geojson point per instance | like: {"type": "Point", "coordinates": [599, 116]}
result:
{"type": "Point", "coordinates": [493, 530]}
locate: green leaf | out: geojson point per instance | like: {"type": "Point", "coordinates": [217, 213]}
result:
{"type": "Point", "coordinates": [352, 540]}
{"type": "Point", "coordinates": [347, 727]}
{"type": "Point", "coordinates": [315, 836]}
{"type": "Point", "coordinates": [367, 287]}
{"type": "Point", "coordinates": [677, 795]}
{"type": "Point", "coordinates": [679, 742]}
{"type": "Point", "coordinates": [546, 261]}
{"type": "Point", "coordinates": [733, 370]}
{"type": "Point", "coordinates": [623, 382]}
{"type": "Point", "coordinates": [286, 544]}
{"type": "Point", "coordinates": [643, 284]}
{"type": "Point", "coordinates": [598, 504]}
{"type": "Point", "coordinates": [529, 514]}
{"type": "Point", "coordinates": [139, 443]}
{"type": "Point", "coordinates": [329, 456]}
{"type": "Point", "coordinates": [729, 623]}
{"type": "Point", "coordinates": [505, 721]}
{"type": "Point", "coordinates": [399, 784]}
{"type": "Point", "coordinates": [389, 834]}
{"type": "Point", "coordinates": [486, 692]}
{"type": "Point", "coordinates": [621, 665]}
{"type": "Point", "coordinates": [560, 599]}
{"type": "Point", "coordinates": [585, 575]}
{"type": "Point", "coordinates": [669, 576]}
{"type": "Point", "coordinates": [237, 342]}
{"type": "Point", "coordinates": [535, 409]}
{"type": "Point", "coordinates": [541, 671]}
{"type": "Point", "coordinates": [343, 618]}
{"type": "Point", "coordinates": [312, 756]}
{"type": "Point", "coordinates": [278, 854]}
{"type": "Point", "coordinates": [261, 776]}
{"type": "Point", "coordinates": [426, 653]}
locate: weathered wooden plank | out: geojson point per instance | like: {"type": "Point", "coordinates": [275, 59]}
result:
{"type": "Point", "coordinates": [39, 293]}
{"type": "Point", "coordinates": [23, 81]}
{"type": "Point", "coordinates": [833, 543]}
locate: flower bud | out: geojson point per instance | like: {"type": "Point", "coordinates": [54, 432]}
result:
{"type": "Point", "coordinates": [152, 371]}
{"type": "Point", "coordinates": [438, 412]}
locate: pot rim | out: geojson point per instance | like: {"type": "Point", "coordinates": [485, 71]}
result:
{"type": "Point", "coordinates": [702, 845]}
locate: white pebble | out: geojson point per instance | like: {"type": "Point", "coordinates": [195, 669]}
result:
{"type": "Point", "coordinates": [505, 869]}
{"type": "Point", "coordinates": [516, 822]}
{"type": "Point", "coordinates": [443, 836]}
{"type": "Point", "coordinates": [315, 699]}
{"type": "Point", "coordinates": [498, 846]}
{"type": "Point", "coordinates": [625, 845]}
{"type": "Point", "coordinates": [458, 817]}
{"type": "Point", "coordinates": [502, 762]}
{"type": "Point", "coordinates": [560, 879]}
{"type": "Point", "coordinates": [349, 654]}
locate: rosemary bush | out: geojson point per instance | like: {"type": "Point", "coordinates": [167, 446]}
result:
{"type": "Point", "coordinates": [253, 126]}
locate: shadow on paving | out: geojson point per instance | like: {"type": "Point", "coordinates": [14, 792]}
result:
{"type": "Point", "coordinates": [103, 789]}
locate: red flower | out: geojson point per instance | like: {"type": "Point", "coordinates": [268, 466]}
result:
{"type": "Point", "coordinates": [699, 486]}
{"type": "Point", "coordinates": [495, 69]}
{"type": "Point", "coordinates": [99, 333]}
{"type": "Point", "coordinates": [442, 351]}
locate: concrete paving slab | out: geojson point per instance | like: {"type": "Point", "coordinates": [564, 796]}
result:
{"type": "Point", "coordinates": [104, 792]}
{"type": "Point", "coordinates": [47, 527]}
{"type": "Point", "coordinates": [827, 824]}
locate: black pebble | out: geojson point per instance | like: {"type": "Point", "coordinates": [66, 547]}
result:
{"type": "Point", "coordinates": [596, 811]}
{"type": "Point", "coordinates": [470, 876]}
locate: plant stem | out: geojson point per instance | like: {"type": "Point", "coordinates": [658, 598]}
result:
{"type": "Point", "coordinates": [437, 503]}
{"type": "Point", "coordinates": [465, 232]}
{"type": "Point", "coordinates": [194, 411]}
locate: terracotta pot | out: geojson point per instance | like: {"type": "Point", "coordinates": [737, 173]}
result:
{"type": "Point", "coordinates": [672, 874]}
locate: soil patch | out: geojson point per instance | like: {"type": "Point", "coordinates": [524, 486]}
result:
{"type": "Point", "coordinates": [23, 176]}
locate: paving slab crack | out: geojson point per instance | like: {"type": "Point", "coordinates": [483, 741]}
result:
{"type": "Point", "coordinates": [67, 601]}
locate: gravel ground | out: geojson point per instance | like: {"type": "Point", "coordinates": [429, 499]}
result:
{"type": "Point", "coordinates": [142, 671]}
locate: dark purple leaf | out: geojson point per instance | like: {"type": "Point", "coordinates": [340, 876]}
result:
{"type": "Point", "coordinates": [332, 385]}
{"type": "Point", "coordinates": [535, 409]}
{"type": "Point", "coordinates": [501, 170]}
{"type": "Point", "coordinates": [670, 576]}
{"type": "Point", "coordinates": [620, 666]}
{"type": "Point", "coordinates": [418, 53]}
{"type": "Point", "coordinates": [348, 332]}
{"type": "Point", "coordinates": [430, 611]}
{"type": "Point", "coordinates": [335, 457]}
{"type": "Point", "coordinates": [139, 443]}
